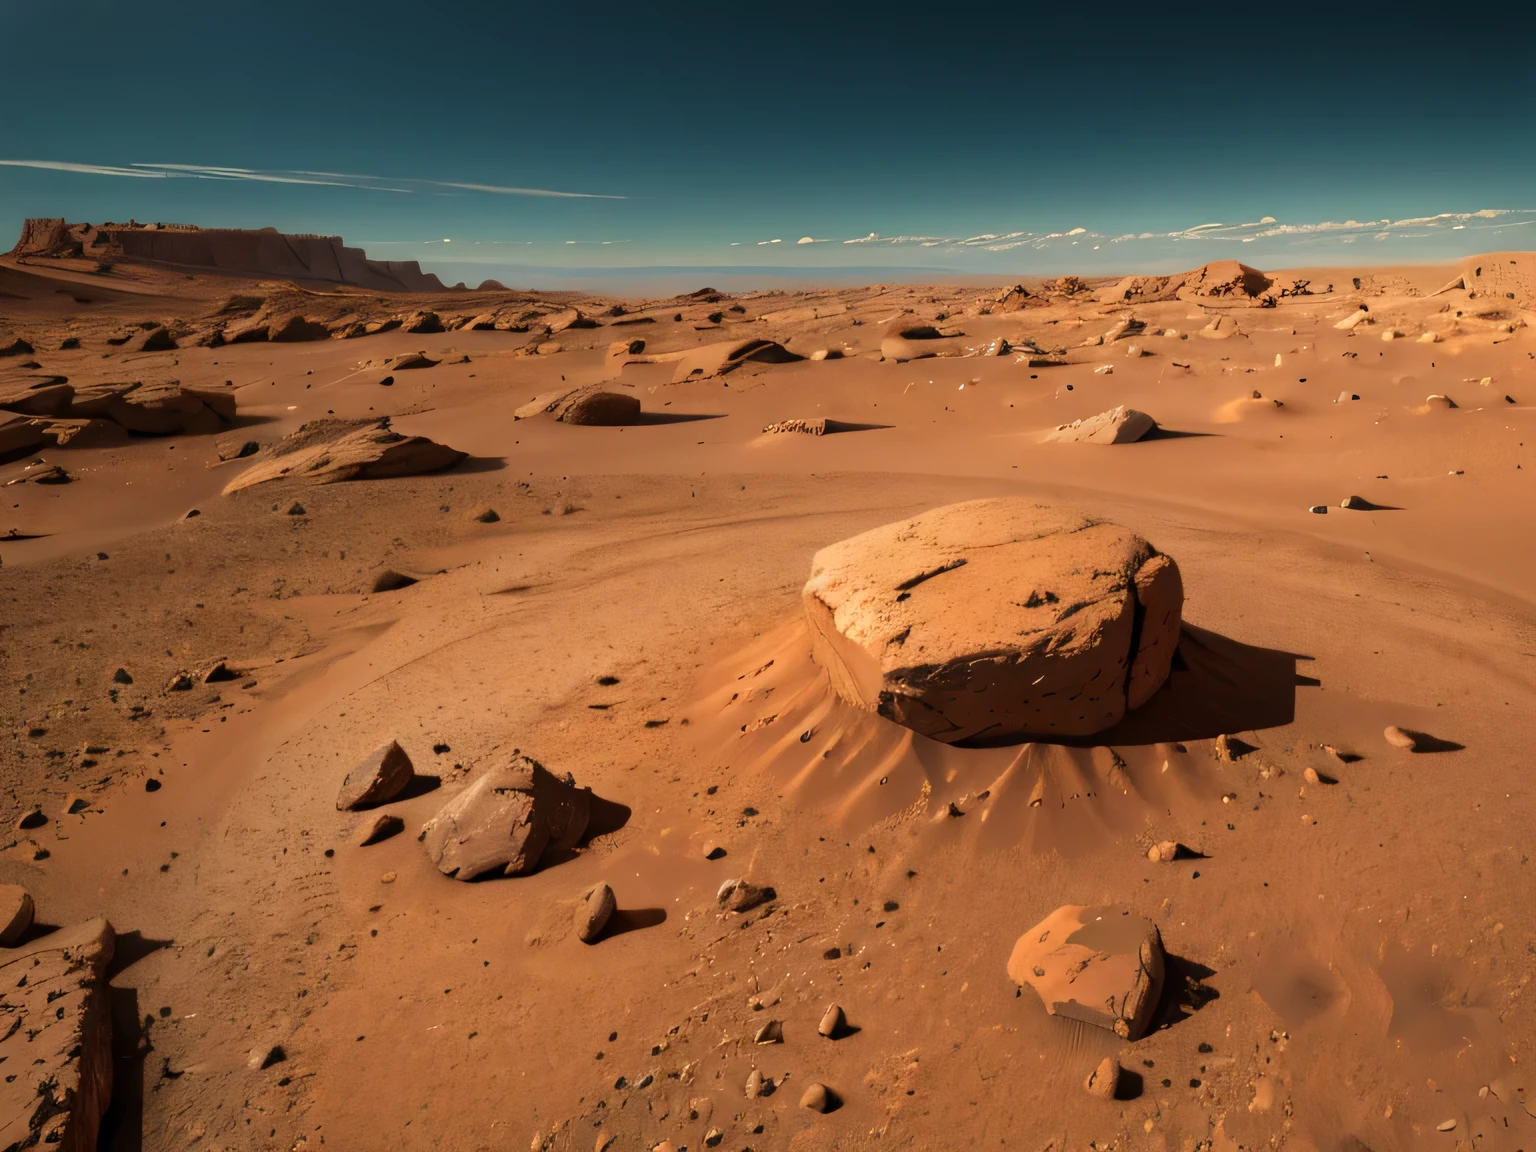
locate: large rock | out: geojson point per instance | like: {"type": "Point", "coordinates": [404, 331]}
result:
{"type": "Point", "coordinates": [506, 821]}
{"type": "Point", "coordinates": [1103, 966]}
{"type": "Point", "coordinates": [378, 779]}
{"type": "Point", "coordinates": [995, 620]}
{"type": "Point", "coordinates": [719, 359]}
{"type": "Point", "coordinates": [158, 409]}
{"type": "Point", "coordinates": [297, 329]}
{"type": "Point", "coordinates": [594, 406]}
{"type": "Point", "coordinates": [1120, 425]}
{"type": "Point", "coordinates": [20, 435]}
{"type": "Point", "coordinates": [57, 1049]}
{"type": "Point", "coordinates": [35, 393]}
{"type": "Point", "coordinates": [16, 911]}
{"type": "Point", "coordinates": [330, 451]}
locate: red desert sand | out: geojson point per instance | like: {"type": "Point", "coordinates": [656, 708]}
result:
{"type": "Point", "coordinates": [444, 718]}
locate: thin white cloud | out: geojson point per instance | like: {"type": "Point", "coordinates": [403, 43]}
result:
{"type": "Point", "coordinates": [407, 185]}
{"type": "Point", "coordinates": [86, 169]}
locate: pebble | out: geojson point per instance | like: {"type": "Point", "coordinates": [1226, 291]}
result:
{"type": "Point", "coordinates": [266, 1057]}
{"type": "Point", "coordinates": [1318, 509]}
{"type": "Point", "coordinates": [1163, 851]}
{"type": "Point", "coordinates": [740, 895]}
{"type": "Point", "coordinates": [1104, 370]}
{"type": "Point", "coordinates": [604, 1139]}
{"type": "Point", "coordinates": [713, 1137]}
{"type": "Point", "coordinates": [1356, 502]}
{"type": "Point", "coordinates": [754, 1084]}
{"type": "Point", "coordinates": [832, 1022]}
{"type": "Point", "coordinates": [816, 1098]}
{"type": "Point", "coordinates": [593, 912]}
{"type": "Point", "coordinates": [1401, 738]}
{"type": "Point", "coordinates": [1446, 1126]}
{"type": "Point", "coordinates": [770, 1033]}
{"type": "Point", "coordinates": [1104, 1079]}
{"type": "Point", "coordinates": [387, 878]}
{"type": "Point", "coordinates": [713, 851]}
{"type": "Point", "coordinates": [1310, 776]}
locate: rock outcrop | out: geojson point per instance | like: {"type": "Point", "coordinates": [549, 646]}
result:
{"type": "Point", "coordinates": [1103, 966]}
{"type": "Point", "coordinates": [719, 359]}
{"type": "Point", "coordinates": [331, 451]}
{"type": "Point", "coordinates": [995, 620]}
{"type": "Point", "coordinates": [506, 821]}
{"type": "Point", "coordinates": [58, 1040]}
{"type": "Point", "coordinates": [1120, 425]}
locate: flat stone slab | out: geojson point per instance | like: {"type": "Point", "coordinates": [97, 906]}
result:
{"type": "Point", "coordinates": [1103, 966]}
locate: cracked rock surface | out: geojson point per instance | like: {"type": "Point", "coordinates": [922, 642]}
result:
{"type": "Point", "coordinates": [995, 620]}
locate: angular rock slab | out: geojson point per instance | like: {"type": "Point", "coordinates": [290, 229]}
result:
{"type": "Point", "coordinates": [1120, 425]}
{"type": "Point", "coordinates": [333, 451]}
{"type": "Point", "coordinates": [506, 821]}
{"type": "Point", "coordinates": [57, 1047]}
{"type": "Point", "coordinates": [995, 620]}
{"type": "Point", "coordinates": [382, 775]}
{"type": "Point", "coordinates": [1103, 966]}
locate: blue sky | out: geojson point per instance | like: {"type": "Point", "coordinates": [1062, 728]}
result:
{"type": "Point", "coordinates": [978, 139]}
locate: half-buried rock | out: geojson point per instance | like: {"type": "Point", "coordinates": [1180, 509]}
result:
{"type": "Point", "coordinates": [329, 451]}
{"type": "Point", "coordinates": [383, 775]}
{"type": "Point", "coordinates": [1120, 425]}
{"type": "Point", "coordinates": [593, 912]}
{"type": "Point", "coordinates": [995, 620]}
{"type": "Point", "coordinates": [506, 821]}
{"type": "Point", "coordinates": [58, 1042]}
{"type": "Point", "coordinates": [593, 406]}
{"type": "Point", "coordinates": [1103, 966]}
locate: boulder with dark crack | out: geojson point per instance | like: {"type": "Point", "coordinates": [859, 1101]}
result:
{"type": "Point", "coordinates": [995, 620]}
{"type": "Point", "coordinates": [1103, 966]}
{"type": "Point", "coordinates": [506, 821]}
{"type": "Point", "coordinates": [328, 451]}
{"type": "Point", "coordinates": [58, 1042]}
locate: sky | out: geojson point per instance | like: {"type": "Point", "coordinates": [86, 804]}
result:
{"type": "Point", "coordinates": [548, 142]}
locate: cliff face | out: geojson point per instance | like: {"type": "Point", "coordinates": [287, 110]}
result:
{"type": "Point", "coordinates": [257, 253]}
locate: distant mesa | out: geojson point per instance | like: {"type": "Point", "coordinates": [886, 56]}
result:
{"type": "Point", "coordinates": [261, 253]}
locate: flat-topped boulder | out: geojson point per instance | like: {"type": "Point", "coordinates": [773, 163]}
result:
{"type": "Point", "coordinates": [1103, 966]}
{"type": "Point", "coordinates": [58, 1039]}
{"type": "Point", "coordinates": [331, 451]}
{"type": "Point", "coordinates": [995, 620]}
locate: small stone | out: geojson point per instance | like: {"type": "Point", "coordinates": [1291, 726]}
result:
{"type": "Point", "coordinates": [754, 1087]}
{"type": "Point", "coordinates": [1223, 749]}
{"type": "Point", "coordinates": [832, 1023]}
{"type": "Point", "coordinates": [181, 682]}
{"type": "Point", "coordinates": [1357, 503]}
{"type": "Point", "coordinates": [1163, 851]}
{"type": "Point", "coordinates": [1318, 509]}
{"type": "Point", "coordinates": [382, 776]}
{"type": "Point", "coordinates": [1104, 1080]}
{"type": "Point", "coordinates": [16, 911]}
{"type": "Point", "coordinates": [604, 1140]}
{"type": "Point", "coordinates": [387, 878]}
{"type": "Point", "coordinates": [74, 804]}
{"type": "Point", "coordinates": [31, 820]}
{"type": "Point", "coordinates": [1401, 738]}
{"type": "Point", "coordinates": [713, 851]}
{"type": "Point", "coordinates": [593, 912]}
{"type": "Point", "coordinates": [381, 826]}
{"type": "Point", "coordinates": [191, 513]}
{"type": "Point", "coordinates": [295, 509]}
{"type": "Point", "coordinates": [770, 1033]}
{"type": "Point", "coordinates": [1446, 1126]}
{"type": "Point", "coordinates": [121, 677]}
{"type": "Point", "coordinates": [1310, 776]}
{"type": "Point", "coordinates": [742, 895]}
{"type": "Point", "coordinates": [713, 1137]}
{"type": "Point", "coordinates": [266, 1057]}
{"type": "Point", "coordinates": [487, 516]}
{"type": "Point", "coordinates": [816, 1098]}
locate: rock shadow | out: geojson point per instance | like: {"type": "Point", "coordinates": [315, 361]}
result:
{"type": "Point", "coordinates": [673, 418]}
{"type": "Point", "coordinates": [632, 920]}
{"type": "Point", "coordinates": [421, 783]}
{"type": "Point", "coordinates": [1129, 1086]}
{"type": "Point", "coordinates": [477, 464]}
{"type": "Point", "coordinates": [1217, 685]}
{"type": "Point", "coordinates": [1161, 433]}
{"type": "Point", "coordinates": [122, 1125]}
{"type": "Point", "coordinates": [1423, 742]}
{"type": "Point", "coordinates": [130, 948]}
{"type": "Point", "coordinates": [1185, 991]}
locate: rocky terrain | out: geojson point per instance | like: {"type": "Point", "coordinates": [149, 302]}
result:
{"type": "Point", "coordinates": [1064, 714]}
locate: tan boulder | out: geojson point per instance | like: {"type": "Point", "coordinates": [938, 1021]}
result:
{"type": "Point", "coordinates": [297, 329]}
{"type": "Point", "coordinates": [332, 451]}
{"type": "Point", "coordinates": [1103, 966]}
{"type": "Point", "coordinates": [506, 820]}
{"type": "Point", "coordinates": [719, 359]}
{"type": "Point", "coordinates": [994, 620]}
{"type": "Point", "coordinates": [1120, 425]}
{"type": "Point", "coordinates": [593, 912]}
{"type": "Point", "coordinates": [16, 911]}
